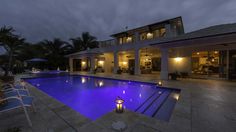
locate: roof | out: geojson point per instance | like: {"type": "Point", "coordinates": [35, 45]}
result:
{"type": "Point", "coordinates": [156, 23]}
{"type": "Point", "coordinates": [201, 33]}
{"type": "Point", "coordinates": [84, 53]}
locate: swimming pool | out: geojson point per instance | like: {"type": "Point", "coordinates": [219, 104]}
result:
{"type": "Point", "coordinates": [95, 96]}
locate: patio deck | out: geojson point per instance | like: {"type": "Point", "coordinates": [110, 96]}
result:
{"type": "Point", "coordinates": [204, 105]}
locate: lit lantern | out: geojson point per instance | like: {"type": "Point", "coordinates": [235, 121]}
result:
{"type": "Point", "coordinates": [159, 83]}
{"type": "Point", "coordinates": [119, 105]}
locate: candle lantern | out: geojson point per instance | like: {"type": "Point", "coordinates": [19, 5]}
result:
{"type": "Point", "coordinates": [119, 105]}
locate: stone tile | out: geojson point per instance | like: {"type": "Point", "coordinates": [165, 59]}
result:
{"type": "Point", "coordinates": [204, 105]}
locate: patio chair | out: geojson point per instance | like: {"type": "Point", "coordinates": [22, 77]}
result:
{"type": "Point", "coordinates": [15, 102]}
{"type": "Point", "coordinates": [15, 92]}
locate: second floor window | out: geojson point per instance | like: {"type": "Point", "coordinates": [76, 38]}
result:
{"type": "Point", "coordinates": [128, 39]}
{"type": "Point", "coordinates": [161, 32]}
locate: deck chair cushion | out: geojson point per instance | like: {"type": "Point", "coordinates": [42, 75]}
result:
{"type": "Point", "coordinates": [4, 102]}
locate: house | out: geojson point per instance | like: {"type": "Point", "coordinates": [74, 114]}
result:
{"type": "Point", "coordinates": [162, 48]}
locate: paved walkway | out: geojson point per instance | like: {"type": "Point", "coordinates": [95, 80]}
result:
{"type": "Point", "coordinates": [204, 105]}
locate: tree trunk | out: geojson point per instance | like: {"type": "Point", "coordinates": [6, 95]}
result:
{"type": "Point", "coordinates": [9, 67]}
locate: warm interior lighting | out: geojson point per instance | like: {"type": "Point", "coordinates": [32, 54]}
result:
{"type": "Point", "coordinates": [216, 52]}
{"type": "Point", "coordinates": [178, 59]}
{"type": "Point", "coordinates": [83, 80]}
{"type": "Point", "coordinates": [119, 105]}
{"type": "Point", "coordinates": [149, 35]}
{"type": "Point", "coordinates": [101, 62]}
{"type": "Point", "coordinates": [83, 62]}
{"type": "Point", "coordinates": [124, 63]}
{"type": "Point", "coordinates": [198, 53]}
{"type": "Point", "coordinates": [129, 39]}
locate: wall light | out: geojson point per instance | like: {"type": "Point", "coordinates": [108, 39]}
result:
{"type": "Point", "coordinates": [124, 63]}
{"type": "Point", "coordinates": [178, 59]}
{"type": "Point", "coordinates": [83, 62]}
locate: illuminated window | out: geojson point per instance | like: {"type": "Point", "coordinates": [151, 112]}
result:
{"type": "Point", "coordinates": [120, 41]}
{"type": "Point", "coordinates": [149, 35]}
{"type": "Point", "coordinates": [156, 33]}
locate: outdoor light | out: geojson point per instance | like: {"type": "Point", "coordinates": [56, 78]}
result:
{"type": "Point", "coordinates": [159, 83]}
{"type": "Point", "coordinates": [83, 62]}
{"type": "Point", "coordinates": [178, 59]}
{"type": "Point", "coordinates": [119, 105]}
{"type": "Point", "coordinates": [58, 69]}
{"type": "Point", "coordinates": [124, 63]}
{"type": "Point", "coordinates": [176, 96]}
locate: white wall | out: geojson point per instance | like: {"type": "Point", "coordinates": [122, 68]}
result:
{"type": "Point", "coordinates": [108, 65]}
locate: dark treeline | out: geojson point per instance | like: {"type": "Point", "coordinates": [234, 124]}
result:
{"type": "Point", "coordinates": [18, 50]}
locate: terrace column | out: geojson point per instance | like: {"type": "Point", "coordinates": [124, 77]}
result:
{"type": "Point", "coordinates": [227, 64]}
{"type": "Point", "coordinates": [71, 64]}
{"type": "Point", "coordinates": [137, 62]}
{"type": "Point", "coordinates": [164, 63]}
{"type": "Point", "coordinates": [92, 64]}
{"type": "Point", "coordinates": [136, 37]}
{"type": "Point", "coordinates": [116, 62]}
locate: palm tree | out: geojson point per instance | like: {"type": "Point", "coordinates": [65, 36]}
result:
{"type": "Point", "coordinates": [12, 44]}
{"type": "Point", "coordinates": [84, 42]}
{"type": "Point", "coordinates": [55, 51]}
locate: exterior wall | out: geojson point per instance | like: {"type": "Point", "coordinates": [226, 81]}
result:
{"type": "Point", "coordinates": [108, 65]}
{"type": "Point", "coordinates": [184, 65]}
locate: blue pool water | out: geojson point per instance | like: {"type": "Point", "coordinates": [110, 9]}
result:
{"type": "Point", "coordinates": [94, 97]}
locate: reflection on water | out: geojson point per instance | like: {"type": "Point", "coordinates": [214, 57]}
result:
{"type": "Point", "coordinates": [140, 95]}
{"type": "Point", "coordinates": [123, 91]}
{"type": "Point", "coordinates": [100, 83]}
{"type": "Point", "coordinates": [83, 80]}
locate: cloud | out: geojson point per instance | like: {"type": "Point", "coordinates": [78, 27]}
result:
{"type": "Point", "coordinates": [46, 19]}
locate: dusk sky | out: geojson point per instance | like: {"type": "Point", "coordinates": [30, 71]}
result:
{"type": "Point", "coordinates": [46, 19]}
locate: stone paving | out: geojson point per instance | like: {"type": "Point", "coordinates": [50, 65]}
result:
{"type": "Point", "coordinates": [204, 105]}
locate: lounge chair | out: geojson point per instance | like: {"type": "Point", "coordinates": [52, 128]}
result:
{"type": "Point", "coordinates": [15, 92]}
{"type": "Point", "coordinates": [15, 102]}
